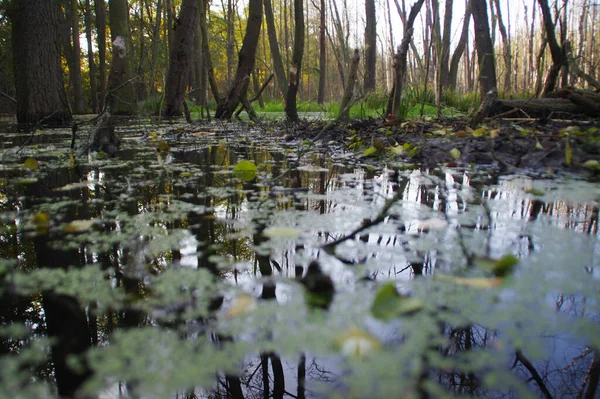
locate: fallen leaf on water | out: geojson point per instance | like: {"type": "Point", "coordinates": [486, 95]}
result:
{"type": "Point", "coordinates": [357, 342]}
{"type": "Point", "coordinates": [243, 304]}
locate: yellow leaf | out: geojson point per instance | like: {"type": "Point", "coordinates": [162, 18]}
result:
{"type": "Point", "coordinates": [78, 226]}
{"type": "Point", "coordinates": [163, 146]}
{"type": "Point", "coordinates": [480, 132]}
{"type": "Point", "coordinates": [31, 163]}
{"type": "Point", "coordinates": [473, 282]}
{"type": "Point", "coordinates": [568, 152]}
{"type": "Point", "coordinates": [42, 222]}
{"type": "Point", "coordinates": [282, 232]}
{"type": "Point", "coordinates": [357, 342]}
{"type": "Point", "coordinates": [243, 304]}
{"type": "Point", "coordinates": [538, 145]}
{"type": "Point", "coordinates": [455, 153]}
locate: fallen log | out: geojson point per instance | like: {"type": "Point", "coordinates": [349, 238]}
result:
{"type": "Point", "coordinates": [568, 105]}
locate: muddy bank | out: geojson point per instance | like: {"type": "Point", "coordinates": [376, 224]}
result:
{"type": "Point", "coordinates": [508, 145]}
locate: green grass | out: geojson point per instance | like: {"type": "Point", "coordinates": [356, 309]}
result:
{"type": "Point", "coordinates": [372, 105]}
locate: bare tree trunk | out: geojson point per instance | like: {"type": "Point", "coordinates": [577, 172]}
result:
{"type": "Point", "coordinates": [400, 60]}
{"type": "Point", "coordinates": [485, 48]}
{"type": "Point", "coordinates": [322, 53]}
{"type": "Point", "coordinates": [506, 52]}
{"type": "Point", "coordinates": [169, 26]}
{"type": "Point", "coordinates": [119, 27]}
{"type": "Point", "coordinates": [155, 46]}
{"type": "Point", "coordinates": [291, 111]}
{"type": "Point", "coordinates": [40, 92]}
{"type": "Point", "coordinates": [344, 112]}
{"type": "Point", "coordinates": [370, 45]}
{"type": "Point", "coordinates": [230, 41]}
{"type": "Point", "coordinates": [460, 48]}
{"type": "Point", "coordinates": [100, 8]}
{"type": "Point", "coordinates": [78, 99]}
{"type": "Point", "coordinates": [90, 53]}
{"type": "Point", "coordinates": [246, 62]}
{"type": "Point", "coordinates": [274, 46]}
{"type": "Point", "coordinates": [558, 58]}
{"type": "Point", "coordinates": [140, 85]}
{"type": "Point", "coordinates": [181, 57]}
{"type": "Point", "coordinates": [212, 81]}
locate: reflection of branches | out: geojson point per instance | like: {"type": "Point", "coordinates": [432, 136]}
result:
{"type": "Point", "coordinates": [381, 216]}
{"type": "Point", "coordinates": [593, 375]}
{"type": "Point", "coordinates": [519, 357]}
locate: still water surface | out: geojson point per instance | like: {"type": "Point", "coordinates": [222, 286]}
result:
{"type": "Point", "coordinates": [165, 272]}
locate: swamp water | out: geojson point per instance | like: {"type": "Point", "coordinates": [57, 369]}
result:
{"type": "Point", "coordinates": [181, 269]}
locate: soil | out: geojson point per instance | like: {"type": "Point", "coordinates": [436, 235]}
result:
{"type": "Point", "coordinates": [509, 145]}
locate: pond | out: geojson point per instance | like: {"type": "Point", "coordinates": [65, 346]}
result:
{"type": "Point", "coordinates": [223, 262]}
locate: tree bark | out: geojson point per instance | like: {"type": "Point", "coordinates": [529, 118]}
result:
{"type": "Point", "coordinates": [246, 59]}
{"type": "Point", "coordinates": [155, 46]}
{"type": "Point", "coordinates": [119, 27]}
{"type": "Point", "coordinates": [103, 136]}
{"type": "Point", "coordinates": [558, 58]}
{"type": "Point", "coordinates": [78, 99]}
{"type": "Point", "coordinates": [181, 57]}
{"type": "Point", "coordinates": [400, 61]}
{"type": "Point", "coordinates": [344, 112]}
{"type": "Point", "coordinates": [93, 73]}
{"type": "Point", "coordinates": [370, 45]}
{"type": "Point", "coordinates": [291, 111]}
{"type": "Point", "coordinates": [506, 52]}
{"type": "Point", "coordinates": [100, 8]}
{"type": "Point", "coordinates": [460, 48]}
{"type": "Point", "coordinates": [230, 41]}
{"type": "Point", "coordinates": [274, 46]}
{"type": "Point", "coordinates": [38, 76]}
{"type": "Point", "coordinates": [322, 53]}
{"type": "Point", "coordinates": [485, 48]}
{"type": "Point", "coordinates": [212, 81]}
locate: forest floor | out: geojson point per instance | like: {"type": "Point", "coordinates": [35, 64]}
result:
{"type": "Point", "coordinates": [510, 145]}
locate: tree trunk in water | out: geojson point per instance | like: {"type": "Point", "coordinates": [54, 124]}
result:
{"type": "Point", "coordinates": [274, 46]}
{"type": "Point", "coordinates": [119, 27]}
{"type": "Point", "coordinates": [100, 8]}
{"type": "Point", "coordinates": [400, 60]}
{"type": "Point", "coordinates": [246, 59]}
{"type": "Point", "coordinates": [485, 48]}
{"type": "Point", "coordinates": [344, 113]}
{"type": "Point", "coordinates": [291, 112]}
{"type": "Point", "coordinates": [91, 63]}
{"type": "Point", "coordinates": [322, 53]}
{"type": "Point", "coordinates": [181, 57]}
{"type": "Point", "coordinates": [103, 136]}
{"type": "Point", "coordinates": [370, 45]}
{"type": "Point", "coordinates": [38, 76]}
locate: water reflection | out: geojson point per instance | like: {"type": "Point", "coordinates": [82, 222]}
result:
{"type": "Point", "coordinates": [153, 213]}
